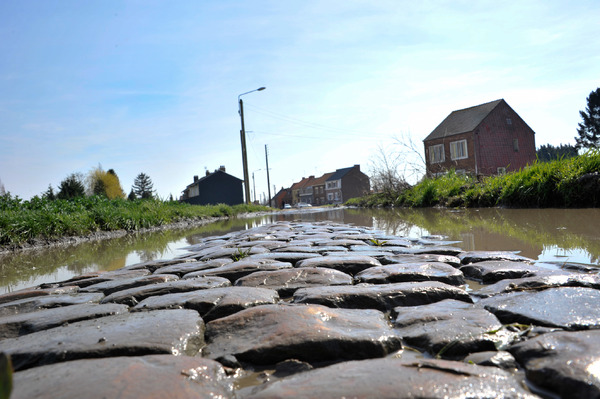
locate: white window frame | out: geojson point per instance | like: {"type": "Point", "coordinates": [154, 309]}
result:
{"type": "Point", "coordinates": [436, 153]}
{"type": "Point", "coordinates": [458, 150]}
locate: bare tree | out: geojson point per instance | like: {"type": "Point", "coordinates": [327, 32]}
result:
{"type": "Point", "coordinates": [395, 167]}
{"type": "Point", "coordinates": [413, 166]}
{"type": "Point", "coordinates": [385, 170]}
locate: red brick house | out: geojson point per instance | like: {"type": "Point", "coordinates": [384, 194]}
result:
{"type": "Point", "coordinates": [284, 196]}
{"type": "Point", "coordinates": [486, 139]}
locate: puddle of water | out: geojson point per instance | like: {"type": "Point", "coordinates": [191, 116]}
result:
{"type": "Point", "coordinates": [567, 235]}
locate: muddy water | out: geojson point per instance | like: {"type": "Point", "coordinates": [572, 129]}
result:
{"type": "Point", "coordinates": [546, 235]}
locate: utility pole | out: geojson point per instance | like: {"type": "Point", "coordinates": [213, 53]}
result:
{"type": "Point", "coordinates": [244, 156]}
{"type": "Point", "coordinates": [243, 140]}
{"type": "Point", "coordinates": [268, 182]}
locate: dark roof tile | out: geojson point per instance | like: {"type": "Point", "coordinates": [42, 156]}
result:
{"type": "Point", "coordinates": [462, 120]}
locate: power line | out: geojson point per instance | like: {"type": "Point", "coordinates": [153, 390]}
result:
{"type": "Point", "coordinates": [312, 125]}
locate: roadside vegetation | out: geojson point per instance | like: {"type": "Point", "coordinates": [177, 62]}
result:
{"type": "Point", "coordinates": [23, 221]}
{"type": "Point", "coordinates": [567, 182]}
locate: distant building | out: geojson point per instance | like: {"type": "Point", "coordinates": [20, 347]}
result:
{"type": "Point", "coordinates": [284, 196]}
{"type": "Point", "coordinates": [305, 193]}
{"type": "Point", "coordinates": [486, 139]}
{"type": "Point", "coordinates": [295, 189]}
{"type": "Point", "coordinates": [218, 187]}
{"type": "Point", "coordinates": [319, 194]}
{"type": "Point", "coordinates": [346, 183]}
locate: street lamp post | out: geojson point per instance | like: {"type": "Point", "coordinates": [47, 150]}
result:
{"type": "Point", "coordinates": [243, 140]}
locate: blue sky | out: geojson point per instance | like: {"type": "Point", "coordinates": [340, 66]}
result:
{"type": "Point", "coordinates": [151, 86]}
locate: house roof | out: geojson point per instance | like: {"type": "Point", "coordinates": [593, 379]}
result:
{"type": "Point", "coordinates": [301, 183]}
{"type": "Point", "coordinates": [463, 120]}
{"type": "Point", "coordinates": [338, 174]}
{"type": "Point", "coordinates": [321, 180]}
{"type": "Point", "coordinates": [215, 173]}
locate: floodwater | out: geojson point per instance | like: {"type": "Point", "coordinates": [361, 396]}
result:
{"type": "Point", "coordinates": [546, 235]}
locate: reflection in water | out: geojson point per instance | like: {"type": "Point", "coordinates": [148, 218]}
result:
{"type": "Point", "coordinates": [542, 234]}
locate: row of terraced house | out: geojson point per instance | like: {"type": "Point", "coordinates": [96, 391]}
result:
{"type": "Point", "coordinates": [331, 188]}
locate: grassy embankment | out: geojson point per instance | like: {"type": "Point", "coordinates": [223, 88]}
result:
{"type": "Point", "coordinates": [23, 221]}
{"type": "Point", "coordinates": [562, 183]}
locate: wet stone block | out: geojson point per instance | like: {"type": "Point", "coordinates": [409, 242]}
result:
{"type": "Point", "coordinates": [273, 333]}
{"type": "Point", "coordinates": [35, 292]}
{"type": "Point", "coordinates": [135, 334]}
{"type": "Point", "coordinates": [383, 297]}
{"type": "Point", "coordinates": [292, 257]}
{"type": "Point", "coordinates": [100, 277]}
{"type": "Point", "coordinates": [539, 283]}
{"type": "Point", "coordinates": [27, 323]}
{"type": "Point", "coordinates": [268, 244]}
{"type": "Point", "coordinates": [289, 280]}
{"type": "Point", "coordinates": [493, 271]}
{"type": "Point", "coordinates": [480, 256]}
{"type": "Point", "coordinates": [133, 296]}
{"type": "Point", "coordinates": [153, 265]}
{"type": "Point", "coordinates": [112, 286]}
{"type": "Point", "coordinates": [188, 267]}
{"type": "Point", "coordinates": [214, 303]}
{"type": "Point", "coordinates": [567, 363]}
{"type": "Point", "coordinates": [241, 268]}
{"type": "Point", "coordinates": [343, 243]}
{"type": "Point", "coordinates": [564, 307]}
{"type": "Point", "coordinates": [152, 376]}
{"type": "Point", "coordinates": [394, 378]}
{"type": "Point", "coordinates": [425, 271]}
{"type": "Point", "coordinates": [313, 250]}
{"type": "Point", "coordinates": [48, 301]}
{"type": "Point", "coordinates": [449, 328]}
{"type": "Point", "coordinates": [350, 264]}
{"type": "Point", "coordinates": [407, 258]}
{"type": "Point", "coordinates": [434, 250]}
{"type": "Point", "coordinates": [374, 252]}
{"type": "Point", "coordinates": [232, 252]}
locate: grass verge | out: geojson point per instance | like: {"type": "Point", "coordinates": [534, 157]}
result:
{"type": "Point", "coordinates": [566, 183]}
{"type": "Point", "coordinates": [22, 221]}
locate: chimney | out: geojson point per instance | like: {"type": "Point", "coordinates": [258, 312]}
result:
{"type": "Point", "coordinates": [222, 168]}
{"type": "Point", "coordinates": [207, 173]}
{"type": "Point", "coordinates": [357, 167]}
{"type": "Point", "coordinates": [195, 178]}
